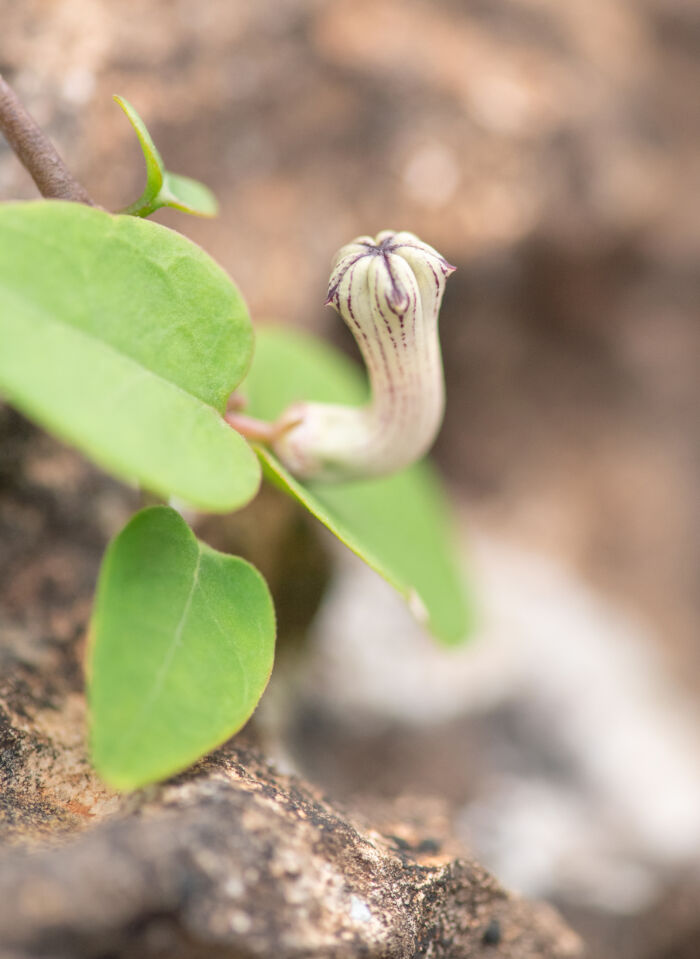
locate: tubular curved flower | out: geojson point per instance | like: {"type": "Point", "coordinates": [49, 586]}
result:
{"type": "Point", "coordinates": [388, 290]}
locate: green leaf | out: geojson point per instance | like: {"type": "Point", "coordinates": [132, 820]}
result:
{"type": "Point", "coordinates": [187, 195]}
{"type": "Point", "coordinates": [182, 645]}
{"type": "Point", "coordinates": [164, 188]}
{"type": "Point", "coordinates": [125, 339]}
{"type": "Point", "coordinates": [155, 169]}
{"type": "Point", "coordinates": [400, 525]}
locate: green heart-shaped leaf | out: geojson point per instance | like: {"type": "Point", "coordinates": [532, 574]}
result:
{"type": "Point", "coordinates": [400, 525]}
{"type": "Point", "coordinates": [182, 644]}
{"type": "Point", "coordinates": [125, 339]}
{"type": "Point", "coordinates": [164, 188]}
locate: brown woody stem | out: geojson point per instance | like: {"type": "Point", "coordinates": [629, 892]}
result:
{"type": "Point", "coordinates": [36, 152]}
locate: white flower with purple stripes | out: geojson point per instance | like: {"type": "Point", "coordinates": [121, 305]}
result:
{"type": "Point", "coordinates": [388, 290]}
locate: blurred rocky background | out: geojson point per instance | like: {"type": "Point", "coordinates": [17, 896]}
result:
{"type": "Point", "coordinates": [552, 152]}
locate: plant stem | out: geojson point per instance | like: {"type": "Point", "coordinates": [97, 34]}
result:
{"type": "Point", "coordinates": [36, 152]}
{"type": "Point", "coordinates": [253, 429]}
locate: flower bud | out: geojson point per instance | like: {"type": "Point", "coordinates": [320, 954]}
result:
{"type": "Point", "coordinates": [388, 291]}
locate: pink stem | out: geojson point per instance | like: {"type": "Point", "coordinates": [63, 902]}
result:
{"type": "Point", "coordinates": [251, 428]}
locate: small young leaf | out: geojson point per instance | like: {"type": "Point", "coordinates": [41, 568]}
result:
{"type": "Point", "coordinates": [187, 195]}
{"type": "Point", "coordinates": [155, 169]}
{"type": "Point", "coordinates": [125, 339]}
{"type": "Point", "coordinates": [400, 524]}
{"type": "Point", "coordinates": [164, 188]}
{"type": "Point", "coordinates": [182, 644]}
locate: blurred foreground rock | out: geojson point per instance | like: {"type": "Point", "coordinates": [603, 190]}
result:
{"type": "Point", "coordinates": [230, 859]}
{"type": "Point", "coordinates": [235, 860]}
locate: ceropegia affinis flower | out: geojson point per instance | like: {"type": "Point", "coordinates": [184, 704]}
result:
{"type": "Point", "coordinates": [388, 290]}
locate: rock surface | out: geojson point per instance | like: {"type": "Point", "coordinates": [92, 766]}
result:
{"type": "Point", "coordinates": [230, 859]}
{"type": "Point", "coordinates": [551, 152]}
{"type": "Point", "coordinates": [237, 860]}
